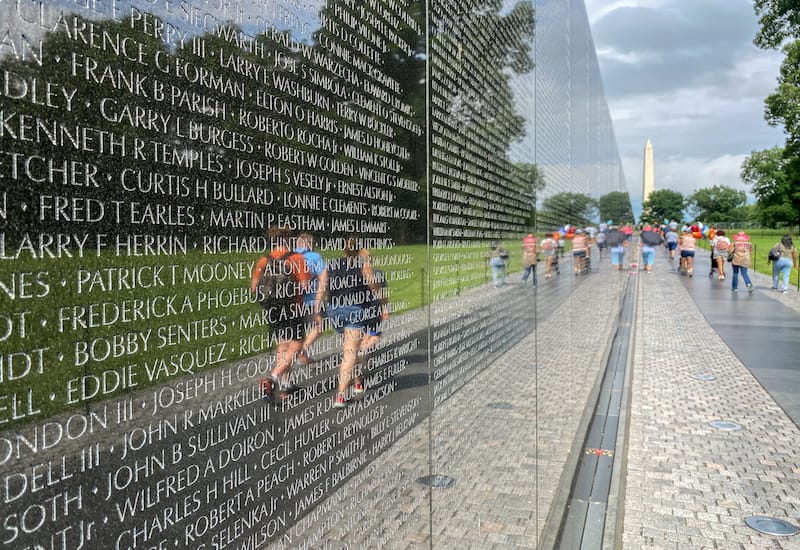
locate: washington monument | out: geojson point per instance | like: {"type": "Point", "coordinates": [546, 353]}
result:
{"type": "Point", "coordinates": [648, 181]}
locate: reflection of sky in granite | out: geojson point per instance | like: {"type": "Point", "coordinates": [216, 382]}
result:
{"type": "Point", "coordinates": [28, 20]}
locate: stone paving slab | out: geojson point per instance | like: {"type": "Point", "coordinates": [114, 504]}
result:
{"type": "Point", "coordinates": [690, 485]}
{"type": "Point", "coordinates": [508, 463]}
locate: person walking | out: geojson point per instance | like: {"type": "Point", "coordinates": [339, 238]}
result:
{"type": "Point", "coordinates": [377, 310]}
{"type": "Point", "coordinates": [601, 242]}
{"type": "Point", "coordinates": [497, 257]}
{"type": "Point", "coordinates": [672, 241]}
{"type": "Point", "coordinates": [279, 281]}
{"type": "Point", "coordinates": [782, 266]}
{"type": "Point", "coordinates": [649, 239]}
{"type": "Point", "coordinates": [616, 241]}
{"type": "Point", "coordinates": [720, 246]}
{"type": "Point", "coordinates": [548, 245]}
{"type": "Point", "coordinates": [351, 286]}
{"type": "Point", "coordinates": [530, 256]}
{"type": "Point", "coordinates": [580, 252]}
{"type": "Point", "coordinates": [742, 249]}
{"type": "Point", "coordinates": [686, 244]}
{"type": "Point", "coordinates": [315, 265]}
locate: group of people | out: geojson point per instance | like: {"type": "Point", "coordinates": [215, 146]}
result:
{"type": "Point", "coordinates": [298, 289]}
{"type": "Point", "coordinates": [738, 252]}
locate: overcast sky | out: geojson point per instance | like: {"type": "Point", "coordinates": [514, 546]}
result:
{"type": "Point", "coordinates": [686, 75]}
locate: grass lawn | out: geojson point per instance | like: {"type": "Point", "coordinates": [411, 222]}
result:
{"type": "Point", "coordinates": [65, 319]}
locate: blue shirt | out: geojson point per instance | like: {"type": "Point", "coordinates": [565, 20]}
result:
{"type": "Point", "coordinates": [316, 265]}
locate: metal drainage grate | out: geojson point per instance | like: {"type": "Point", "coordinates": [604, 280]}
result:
{"type": "Point", "coordinates": [722, 425]}
{"type": "Point", "coordinates": [771, 526]}
{"type": "Point", "coordinates": [437, 481]}
{"type": "Point", "coordinates": [500, 405]}
{"type": "Point", "coordinates": [704, 377]}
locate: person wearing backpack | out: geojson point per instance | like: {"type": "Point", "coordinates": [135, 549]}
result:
{"type": "Point", "coordinates": [720, 247]}
{"type": "Point", "coordinates": [279, 280]}
{"type": "Point", "coordinates": [783, 257]}
{"type": "Point", "coordinates": [740, 259]}
{"type": "Point", "coordinates": [316, 266]}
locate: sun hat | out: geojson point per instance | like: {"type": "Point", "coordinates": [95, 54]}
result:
{"type": "Point", "coordinates": [741, 236]}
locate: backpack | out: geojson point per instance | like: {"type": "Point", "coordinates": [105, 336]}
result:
{"type": "Point", "coordinates": [276, 283]}
{"type": "Point", "coordinates": [547, 244]}
{"type": "Point", "coordinates": [722, 244]}
{"type": "Point", "coordinates": [774, 253]}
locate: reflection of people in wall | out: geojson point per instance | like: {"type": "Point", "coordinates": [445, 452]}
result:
{"type": "Point", "coordinates": [279, 280]}
{"type": "Point", "coordinates": [549, 252]}
{"type": "Point", "coordinates": [497, 256]}
{"type": "Point", "coordinates": [377, 310]}
{"type": "Point", "coordinates": [580, 252]}
{"type": "Point", "coordinates": [316, 266]}
{"type": "Point", "coordinates": [530, 255]}
{"type": "Point", "coordinates": [350, 283]}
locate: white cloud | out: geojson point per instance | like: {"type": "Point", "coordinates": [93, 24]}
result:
{"type": "Point", "coordinates": [629, 57]}
{"type": "Point", "coordinates": [695, 86]}
{"type": "Point", "coordinates": [597, 9]}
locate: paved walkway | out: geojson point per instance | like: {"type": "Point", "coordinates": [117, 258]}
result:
{"type": "Point", "coordinates": [690, 485]}
{"type": "Point", "coordinates": [508, 437]}
{"type": "Point", "coordinates": [686, 485]}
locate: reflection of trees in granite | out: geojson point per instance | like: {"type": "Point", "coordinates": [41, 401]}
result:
{"type": "Point", "coordinates": [151, 157]}
{"type": "Point", "coordinates": [531, 178]}
{"type": "Point", "coordinates": [209, 116]}
{"type": "Point", "coordinates": [563, 208]}
{"type": "Point", "coordinates": [215, 137]}
{"type": "Point", "coordinates": [476, 49]}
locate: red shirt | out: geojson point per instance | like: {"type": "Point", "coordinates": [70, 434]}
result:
{"type": "Point", "coordinates": [297, 266]}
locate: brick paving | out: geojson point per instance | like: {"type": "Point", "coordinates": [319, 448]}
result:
{"type": "Point", "coordinates": [686, 485]}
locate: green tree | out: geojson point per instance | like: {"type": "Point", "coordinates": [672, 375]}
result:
{"type": "Point", "coordinates": [616, 206]}
{"type": "Point", "coordinates": [774, 177]}
{"type": "Point", "coordinates": [783, 106]}
{"type": "Point", "coordinates": [567, 208]}
{"type": "Point", "coordinates": [779, 20]}
{"type": "Point", "coordinates": [473, 105]}
{"type": "Point", "coordinates": [663, 204]}
{"type": "Point", "coordinates": [717, 204]}
{"type": "Point", "coordinates": [774, 174]}
{"type": "Point", "coordinates": [529, 177]}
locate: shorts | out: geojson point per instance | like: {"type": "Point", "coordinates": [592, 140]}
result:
{"type": "Point", "coordinates": [617, 257]}
{"type": "Point", "coordinates": [602, 245]}
{"type": "Point", "coordinates": [579, 253]}
{"type": "Point", "coordinates": [687, 253]}
{"type": "Point", "coordinates": [648, 256]}
{"type": "Point", "coordinates": [348, 317]}
{"type": "Point", "coordinates": [672, 246]}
